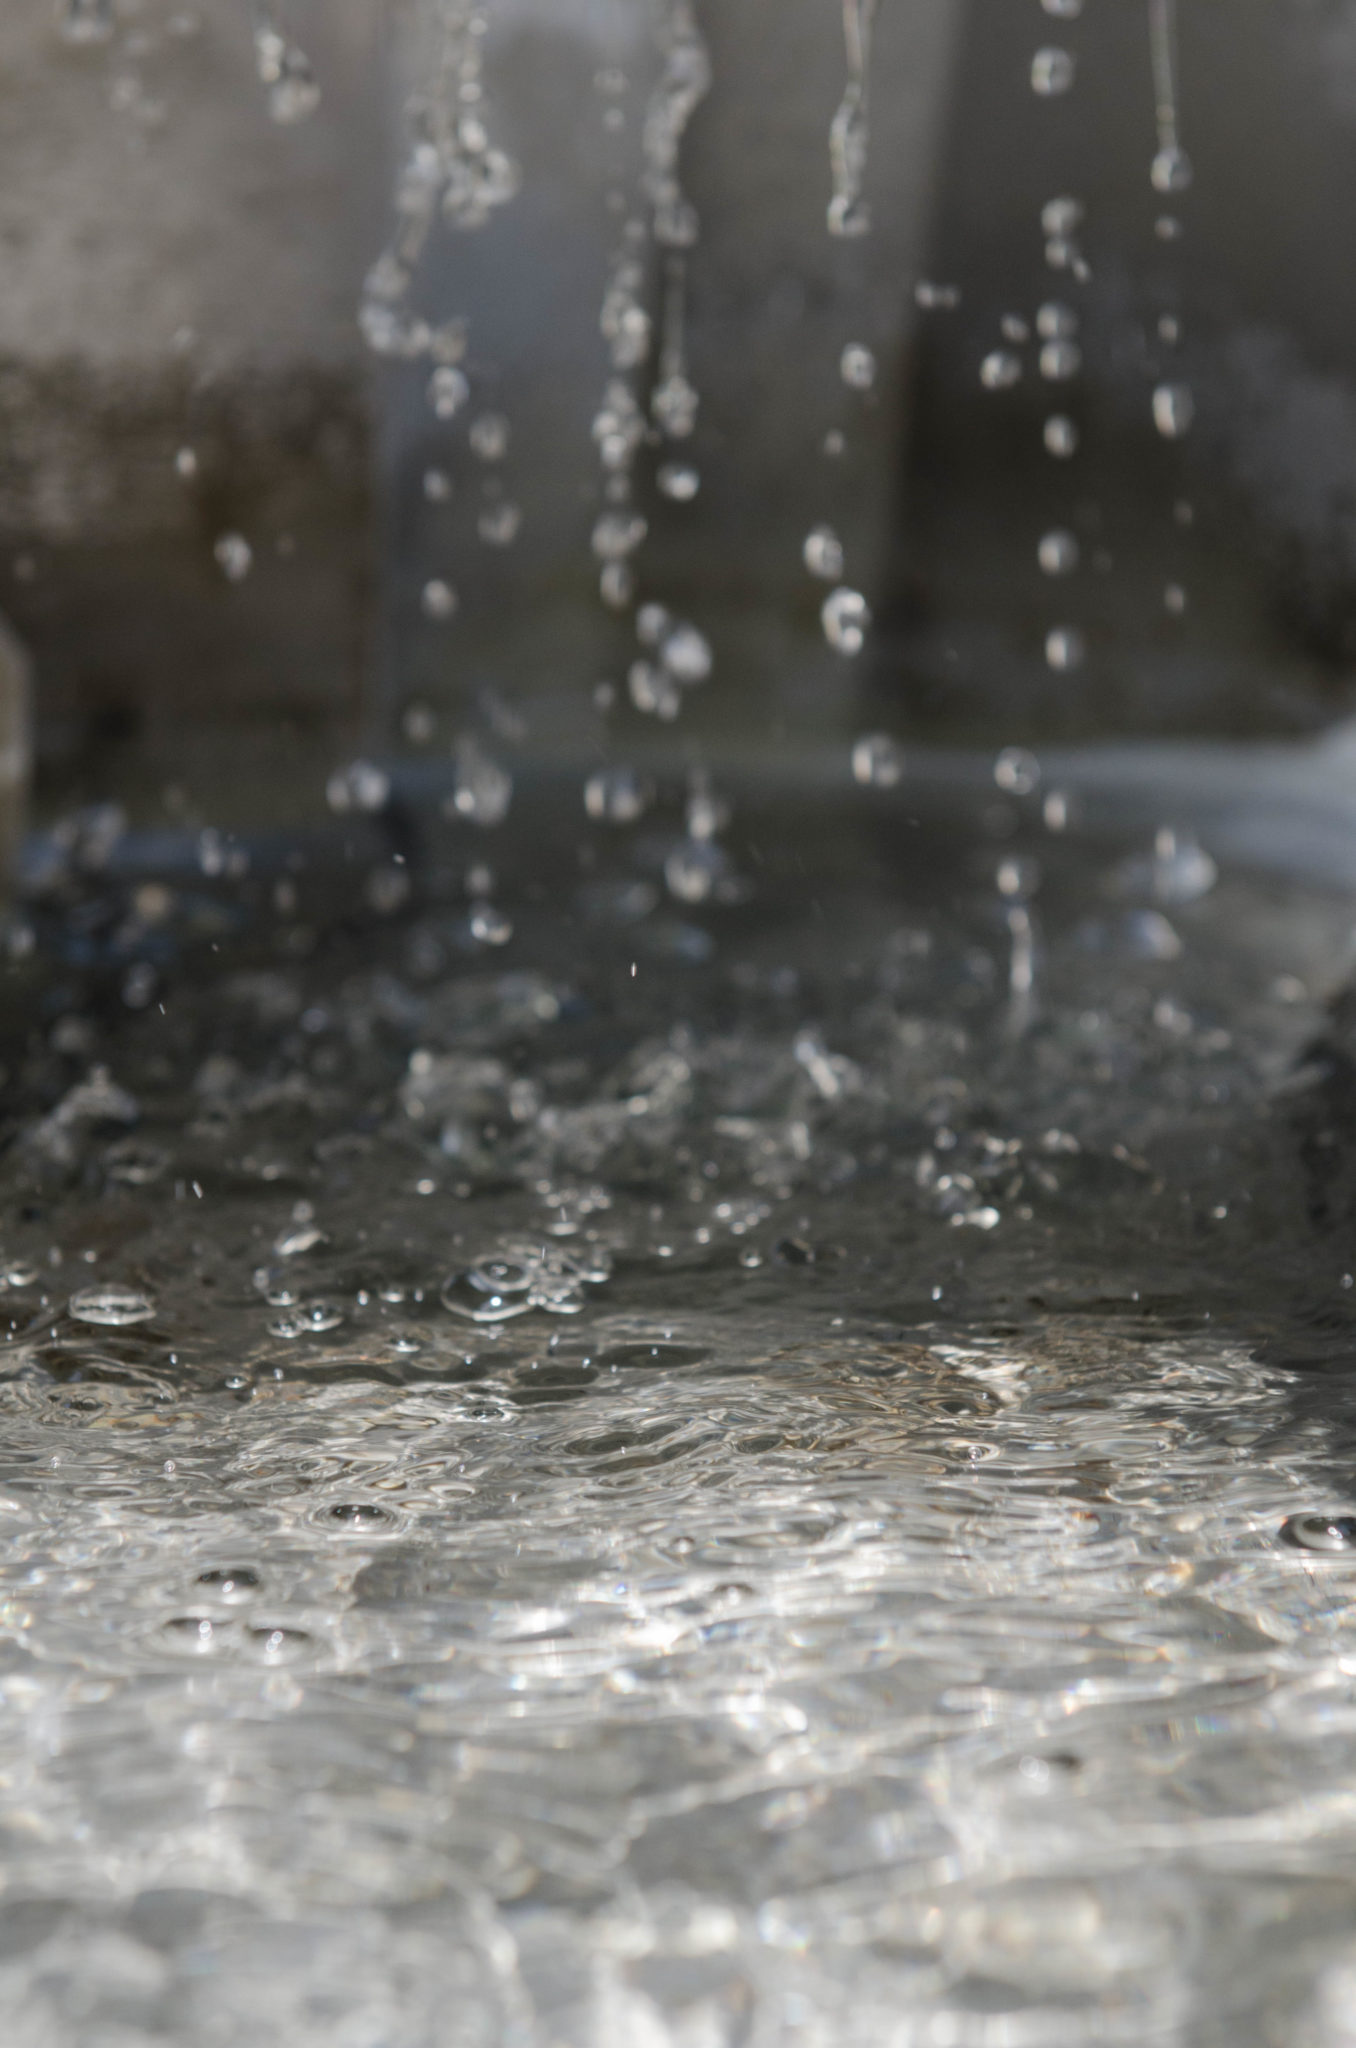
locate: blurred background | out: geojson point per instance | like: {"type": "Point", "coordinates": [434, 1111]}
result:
{"type": "Point", "coordinates": [217, 527]}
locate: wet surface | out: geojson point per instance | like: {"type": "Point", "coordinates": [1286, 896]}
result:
{"type": "Point", "coordinates": [768, 1471]}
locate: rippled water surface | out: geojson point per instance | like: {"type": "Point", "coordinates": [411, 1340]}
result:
{"type": "Point", "coordinates": [705, 1478]}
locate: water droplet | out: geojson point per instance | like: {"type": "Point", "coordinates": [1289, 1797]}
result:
{"type": "Point", "coordinates": [1174, 600]}
{"type": "Point", "coordinates": [935, 298]}
{"type": "Point", "coordinates": [877, 761]}
{"type": "Point", "coordinates": [489, 437]}
{"type": "Point", "coordinates": [1182, 871]}
{"type": "Point", "coordinates": [1013, 328]}
{"type": "Point", "coordinates": [1062, 216]}
{"type": "Point", "coordinates": [1064, 10]}
{"type": "Point", "coordinates": [1174, 410]}
{"type": "Point", "coordinates": [293, 94]}
{"type": "Point", "coordinates": [693, 869]}
{"type": "Point", "coordinates": [1057, 811]}
{"type": "Point", "coordinates": [234, 556]}
{"type": "Point", "coordinates": [618, 534]}
{"type": "Point", "coordinates": [1065, 648]}
{"type": "Point", "coordinates": [1060, 360]}
{"type": "Point", "coordinates": [437, 600]}
{"type": "Point", "coordinates": [87, 21]}
{"type": "Point", "coordinates": [1058, 552]}
{"type": "Point", "coordinates": [653, 690]}
{"type": "Point", "coordinates": [112, 1306]}
{"type": "Point", "coordinates": [686, 654]}
{"type": "Point", "coordinates": [499, 525]}
{"type": "Point", "coordinates": [230, 1582]}
{"type": "Point", "coordinates": [481, 791]}
{"type": "Point", "coordinates": [616, 796]}
{"type": "Point", "coordinates": [678, 481]}
{"type": "Point", "coordinates": [674, 407]}
{"type": "Point", "coordinates": [437, 486]}
{"type": "Point", "coordinates": [361, 786]}
{"type": "Point", "coordinates": [1017, 771]}
{"type": "Point", "coordinates": [1060, 435]}
{"type": "Point", "coordinates": [448, 391]}
{"type": "Point", "coordinates": [490, 927]}
{"type": "Point", "coordinates": [1000, 370]}
{"type": "Point", "coordinates": [857, 366]}
{"type": "Point", "coordinates": [823, 553]}
{"type": "Point", "coordinates": [846, 618]}
{"type": "Point", "coordinates": [186, 463]}
{"type": "Point", "coordinates": [1328, 1533]}
{"type": "Point", "coordinates": [1171, 170]}
{"type": "Point", "coordinates": [1052, 72]}
{"type": "Point", "coordinates": [617, 585]}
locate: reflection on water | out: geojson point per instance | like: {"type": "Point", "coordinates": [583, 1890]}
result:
{"type": "Point", "coordinates": [737, 1478]}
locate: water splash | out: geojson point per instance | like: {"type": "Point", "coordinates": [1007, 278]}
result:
{"type": "Point", "coordinates": [849, 134]}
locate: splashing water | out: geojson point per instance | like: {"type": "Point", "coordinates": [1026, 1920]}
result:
{"type": "Point", "coordinates": [849, 136]}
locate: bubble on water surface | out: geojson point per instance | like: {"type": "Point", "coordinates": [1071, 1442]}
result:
{"type": "Point", "coordinates": [311, 1319]}
{"type": "Point", "coordinates": [1330, 1535]}
{"type": "Point", "coordinates": [1174, 409]}
{"type": "Point", "coordinates": [230, 1582]}
{"type": "Point", "coordinates": [522, 1275]}
{"type": "Point", "coordinates": [823, 553]}
{"type": "Point", "coordinates": [877, 761]}
{"type": "Point", "coordinates": [112, 1306]}
{"type": "Point", "coordinates": [846, 618]}
{"type": "Point", "coordinates": [234, 556]}
{"type": "Point", "coordinates": [1052, 72]}
{"type": "Point", "coordinates": [357, 1517]}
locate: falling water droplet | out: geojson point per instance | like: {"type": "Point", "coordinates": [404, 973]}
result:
{"type": "Point", "coordinates": [857, 366]}
{"type": "Point", "coordinates": [235, 556]}
{"type": "Point", "coordinates": [361, 786]}
{"type": "Point", "coordinates": [186, 463]}
{"type": "Point", "coordinates": [1052, 72]}
{"type": "Point", "coordinates": [489, 926]}
{"type": "Point", "coordinates": [1061, 436]}
{"type": "Point", "coordinates": [1174, 410]}
{"type": "Point", "coordinates": [489, 437]}
{"type": "Point", "coordinates": [693, 869]}
{"type": "Point", "coordinates": [846, 618]}
{"type": "Point", "coordinates": [438, 600]}
{"type": "Point", "coordinates": [1171, 170]}
{"type": "Point", "coordinates": [877, 761]}
{"type": "Point", "coordinates": [87, 21]}
{"type": "Point", "coordinates": [1000, 370]}
{"type": "Point", "coordinates": [616, 796]}
{"type": "Point", "coordinates": [678, 481]}
{"type": "Point", "coordinates": [1063, 10]}
{"type": "Point", "coordinates": [686, 654]}
{"type": "Point", "coordinates": [482, 791]}
{"type": "Point", "coordinates": [1174, 600]}
{"type": "Point", "coordinates": [448, 391]}
{"type": "Point", "coordinates": [437, 486]}
{"type": "Point", "coordinates": [1058, 552]}
{"type": "Point", "coordinates": [823, 554]}
{"type": "Point", "coordinates": [1017, 771]}
{"type": "Point", "coordinates": [1060, 360]}
{"type": "Point", "coordinates": [1065, 648]}
{"type": "Point", "coordinates": [499, 525]}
